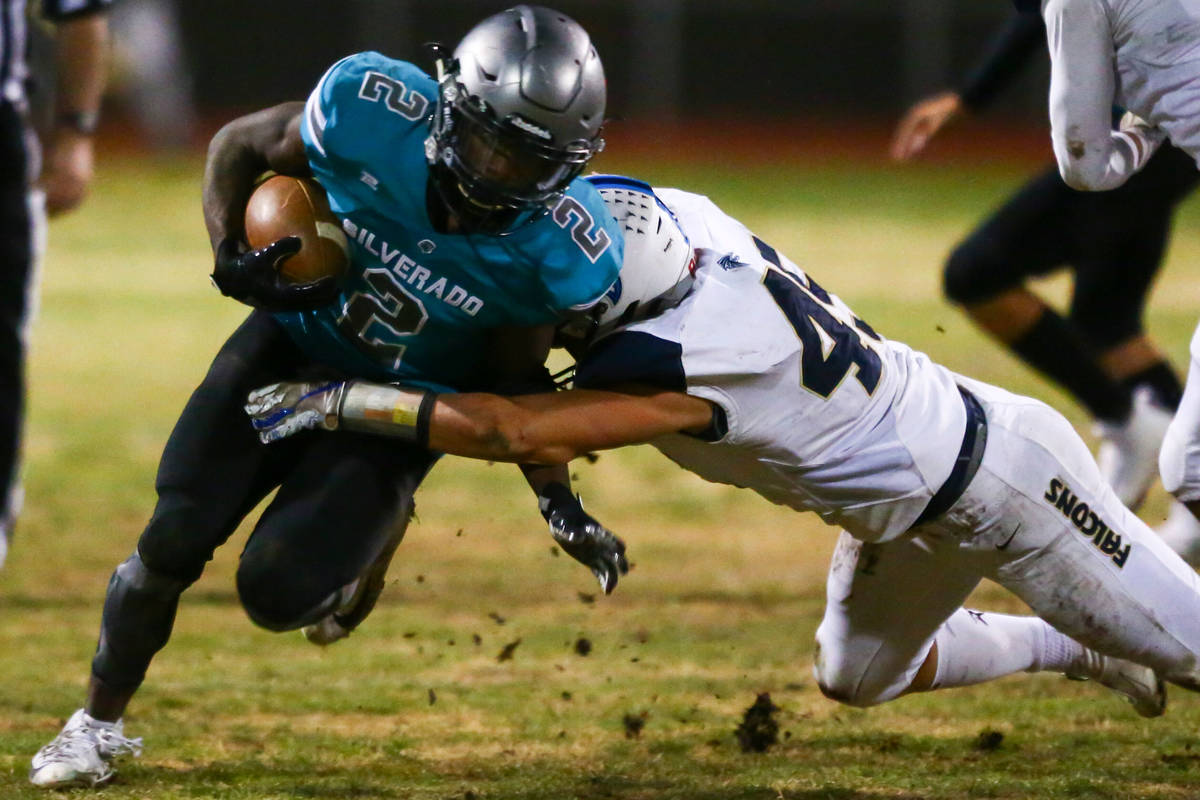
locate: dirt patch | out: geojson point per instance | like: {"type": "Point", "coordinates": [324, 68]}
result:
{"type": "Point", "coordinates": [988, 740]}
{"type": "Point", "coordinates": [634, 723]}
{"type": "Point", "coordinates": [759, 728]}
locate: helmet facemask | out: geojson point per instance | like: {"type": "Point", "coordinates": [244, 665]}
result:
{"type": "Point", "coordinates": [519, 112]}
{"type": "Point", "coordinates": [490, 170]}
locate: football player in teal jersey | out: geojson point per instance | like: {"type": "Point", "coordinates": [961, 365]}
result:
{"type": "Point", "coordinates": [471, 236]}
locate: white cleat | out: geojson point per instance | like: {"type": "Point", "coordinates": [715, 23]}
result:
{"type": "Point", "coordinates": [1181, 533]}
{"type": "Point", "coordinates": [81, 753]}
{"type": "Point", "coordinates": [1128, 453]}
{"type": "Point", "coordinates": [1140, 685]}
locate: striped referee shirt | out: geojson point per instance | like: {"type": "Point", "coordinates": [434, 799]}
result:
{"type": "Point", "coordinates": [13, 69]}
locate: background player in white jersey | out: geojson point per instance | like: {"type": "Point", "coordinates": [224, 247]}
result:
{"type": "Point", "coordinates": [1113, 243]}
{"type": "Point", "coordinates": [482, 238]}
{"type": "Point", "coordinates": [760, 378]}
{"type": "Point", "coordinates": [1143, 55]}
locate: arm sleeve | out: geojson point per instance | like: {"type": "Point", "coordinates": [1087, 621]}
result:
{"type": "Point", "coordinates": [1007, 54]}
{"type": "Point", "coordinates": [1091, 155]}
{"type": "Point", "coordinates": [1179, 458]}
{"type": "Point", "coordinates": [59, 10]}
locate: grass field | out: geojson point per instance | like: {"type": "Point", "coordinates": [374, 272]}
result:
{"type": "Point", "coordinates": [722, 604]}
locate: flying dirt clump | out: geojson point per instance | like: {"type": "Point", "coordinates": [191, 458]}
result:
{"type": "Point", "coordinates": [759, 729]}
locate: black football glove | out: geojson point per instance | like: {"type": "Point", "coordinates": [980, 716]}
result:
{"type": "Point", "coordinates": [253, 278]}
{"type": "Point", "coordinates": [582, 537]}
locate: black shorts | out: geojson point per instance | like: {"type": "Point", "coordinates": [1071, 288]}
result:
{"type": "Point", "coordinates": [339, 493]}
{"type": "Point", "coordinates": [1113, 240]}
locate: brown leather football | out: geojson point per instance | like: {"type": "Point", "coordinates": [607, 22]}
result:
{"type": "Point", "coordinates": [285, 206]}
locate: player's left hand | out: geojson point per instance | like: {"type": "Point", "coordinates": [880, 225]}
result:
{"type": "Point", "coordinates": [922, 122]}
{"type": "Point", "coordinates": [253, 278]}
{"type": "Point", "coordinates": [582, 537]}
{"type": "Point", "coordinates": [281, 409]}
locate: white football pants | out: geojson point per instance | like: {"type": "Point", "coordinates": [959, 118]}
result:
{"type": "Point", "coordinates": [1039, 520]}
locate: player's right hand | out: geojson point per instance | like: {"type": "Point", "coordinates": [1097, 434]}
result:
{"type": "Point", "coordinates": [922, 122]}
{"type": "Point", "coordinates": [582, 537]}
{"type": "Point", "coordinates": [281, 409]}
{"type": "Point", "coordinates": [252, 277]}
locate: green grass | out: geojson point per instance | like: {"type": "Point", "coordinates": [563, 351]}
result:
{"type": "Point", "coordinates": [723, 602]}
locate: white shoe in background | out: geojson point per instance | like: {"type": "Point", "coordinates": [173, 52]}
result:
{"type": "Point", "coordinates": [1181, 533]}
{"type": "Point", "coordinates": [1128, 452]}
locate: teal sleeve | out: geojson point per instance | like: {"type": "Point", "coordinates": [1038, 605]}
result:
{"type": "Point", "coordinates": [587, 260]}
{"type": "Point", "coordinates": [354, 100]}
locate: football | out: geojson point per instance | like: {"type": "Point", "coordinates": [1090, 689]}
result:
{"type": "Point", "coordinates": [285, 206]}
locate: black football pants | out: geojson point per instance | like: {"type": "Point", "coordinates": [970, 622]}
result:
{"type": "Point", "coordinates": [1114, 241]}
{"type": "Point", "coordinates": [340, 494]}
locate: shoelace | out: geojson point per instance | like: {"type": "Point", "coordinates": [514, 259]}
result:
{"type": "Point", "coordinates": [113, 743]}
{"type": "Point", "coordinates": [74, 743]}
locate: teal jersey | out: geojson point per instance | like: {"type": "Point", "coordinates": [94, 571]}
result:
{"type": "Point", "coordinates": [417, 305]}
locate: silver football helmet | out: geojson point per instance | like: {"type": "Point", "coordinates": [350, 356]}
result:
{"type": "Point", "coordinates": [520, 107]}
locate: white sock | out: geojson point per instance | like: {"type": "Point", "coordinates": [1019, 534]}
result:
{"type": "Point", "coordinates": [977, 646]}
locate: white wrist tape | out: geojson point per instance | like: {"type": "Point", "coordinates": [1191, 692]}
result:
{"type": "Point", "coordinates": [387, 410]}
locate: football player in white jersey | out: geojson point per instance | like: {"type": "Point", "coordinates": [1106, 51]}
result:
{"type": "Point", "coordinates": [1143, 55]}
{"type": "Point", "coordinates": [737, 365]}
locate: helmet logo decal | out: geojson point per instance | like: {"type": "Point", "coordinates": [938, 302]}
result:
{"type": "Point", "coordinates": [530, 127]}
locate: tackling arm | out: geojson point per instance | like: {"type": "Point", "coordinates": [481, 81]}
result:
{"type": "Point", "coordinates": [551, 428]}
{"type": "Point", "coordinates": [556, 428]}
{"type": "Point", "coordinates": [539, 428]}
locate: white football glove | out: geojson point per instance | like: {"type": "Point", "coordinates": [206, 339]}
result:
{"type": "Point", "coordinates": [281, 409]}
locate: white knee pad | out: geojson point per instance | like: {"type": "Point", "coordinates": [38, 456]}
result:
{"type": "Point", "coordinates": [857, 679]}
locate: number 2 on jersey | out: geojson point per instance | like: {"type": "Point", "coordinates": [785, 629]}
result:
{"type": "Point", "coordinates": [830, 345]}
{"type": "Point", "coordinates": [375, 319]}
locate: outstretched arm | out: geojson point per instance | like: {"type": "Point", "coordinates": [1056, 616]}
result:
{"type": "Point", "coordinates": [1006, 55]}
{"type": "Point", "coordinates": [556, 428]}
{"type": "Point", "coordinates": [550, 428]}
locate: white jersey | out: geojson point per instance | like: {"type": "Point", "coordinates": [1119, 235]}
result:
{"type": "Point", "coordinates": [1142, 55]}
{"type": "Point", "coordinates": [822, 414]}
